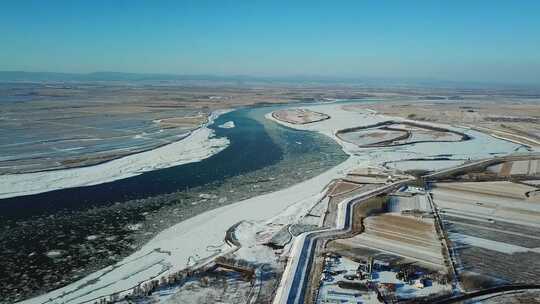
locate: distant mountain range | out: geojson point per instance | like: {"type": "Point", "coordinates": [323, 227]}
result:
{"type": "Point", "coordinates": [103, 76]}
{"type": "Point", "coordinates": [18, 76]}
{"type": "Point", "coordinates": [121, 76]}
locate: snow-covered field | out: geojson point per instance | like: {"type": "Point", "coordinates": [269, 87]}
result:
{"type": "Point", "coordinates": [464, 239]}
{"type": "Point", "coordinates": [430, 165]}
{"type": "Point", "coordinates": [200, 144]}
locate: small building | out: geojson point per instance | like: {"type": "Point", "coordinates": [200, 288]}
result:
{"type": "Point", "coordinates": [419, 284]}
{"type": "Point", "coordinates": [387, 287]}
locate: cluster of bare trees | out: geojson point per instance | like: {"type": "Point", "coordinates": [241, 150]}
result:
{"type": "Point", "coordinates": [147, 288]}
{"type": "Point", "coordinates": [244, 267]}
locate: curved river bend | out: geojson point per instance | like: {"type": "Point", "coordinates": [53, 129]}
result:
{"type": "Point", "coordinates": [50, 239]}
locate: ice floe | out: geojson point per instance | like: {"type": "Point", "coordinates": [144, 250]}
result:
{"type": "Point", "coordinates": [227, 125]}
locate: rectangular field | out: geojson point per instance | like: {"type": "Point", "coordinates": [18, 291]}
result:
{"type": "Point", "coordinates": [494, 230]}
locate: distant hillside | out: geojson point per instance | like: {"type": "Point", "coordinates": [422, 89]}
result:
{"type": "Point", "coordinates": [12, 76]}
{"type": "Point", "coordinates": [103, 76]}
{"type": "Point", "coordinates": [302, 80]}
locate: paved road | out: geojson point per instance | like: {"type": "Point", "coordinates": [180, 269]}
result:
{"type": "Point", "coordinates": [294, 283]}
{"type": "Point", "coordinates": [481, 162]}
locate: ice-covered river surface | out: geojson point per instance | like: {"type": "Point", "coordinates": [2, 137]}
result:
{"type": "Point", "coordinates": [50, 239]}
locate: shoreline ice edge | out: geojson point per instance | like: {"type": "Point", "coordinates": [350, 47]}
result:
{"type": "Point", "coordinates": [198, 145]}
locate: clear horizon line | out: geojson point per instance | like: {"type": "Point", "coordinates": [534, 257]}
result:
{"type": "Point", "coordinates": [277, 77]}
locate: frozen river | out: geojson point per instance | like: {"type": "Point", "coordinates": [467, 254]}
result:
{"type": "Point", "coordinates": [53, 238]}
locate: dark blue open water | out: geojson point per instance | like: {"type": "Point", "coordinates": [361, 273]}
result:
{"type": "Point", "coordinates": [262, 157]}
{"type": "Point", "coordinates": [250, 148]}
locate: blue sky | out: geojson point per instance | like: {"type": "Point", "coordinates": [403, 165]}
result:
{"type": "Point", "coordinates": [492, 41]}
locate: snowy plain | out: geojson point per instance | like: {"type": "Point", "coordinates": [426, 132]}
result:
{"type": "Point", "coordinates": [202, 236]}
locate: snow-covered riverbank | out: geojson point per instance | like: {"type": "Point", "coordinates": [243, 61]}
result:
{"type": "Point", "coordinates": [200, 144]}
{"type": "Point", "coordinates": [202, 236]}
{"type": "Point", "coordinates": [194, 239]}
{"type": "Point", "coordinates": [480, 146]}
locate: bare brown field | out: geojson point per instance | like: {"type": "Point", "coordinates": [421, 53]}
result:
{"type": "Point", "coordinates": [393, 133]}
{"type": "Point", "coordinates": [341, 187]}
{"type": "Point", "coordinates": [182, 122]}
{"type": "Point", "coordinates": [64, 125]}
{"type": "Point", "coordinates": [498, 188]}
{"type": "Point", "coordinates": [512, 118]}
{"type": "Point", "coordinates": [529, 167]}
{"type": "Point", "coordinates": [364, 179]}
{"type": "Point", "coordinates": [408, 237]}
{"type": "Point", "coordinates": [335, 200]}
